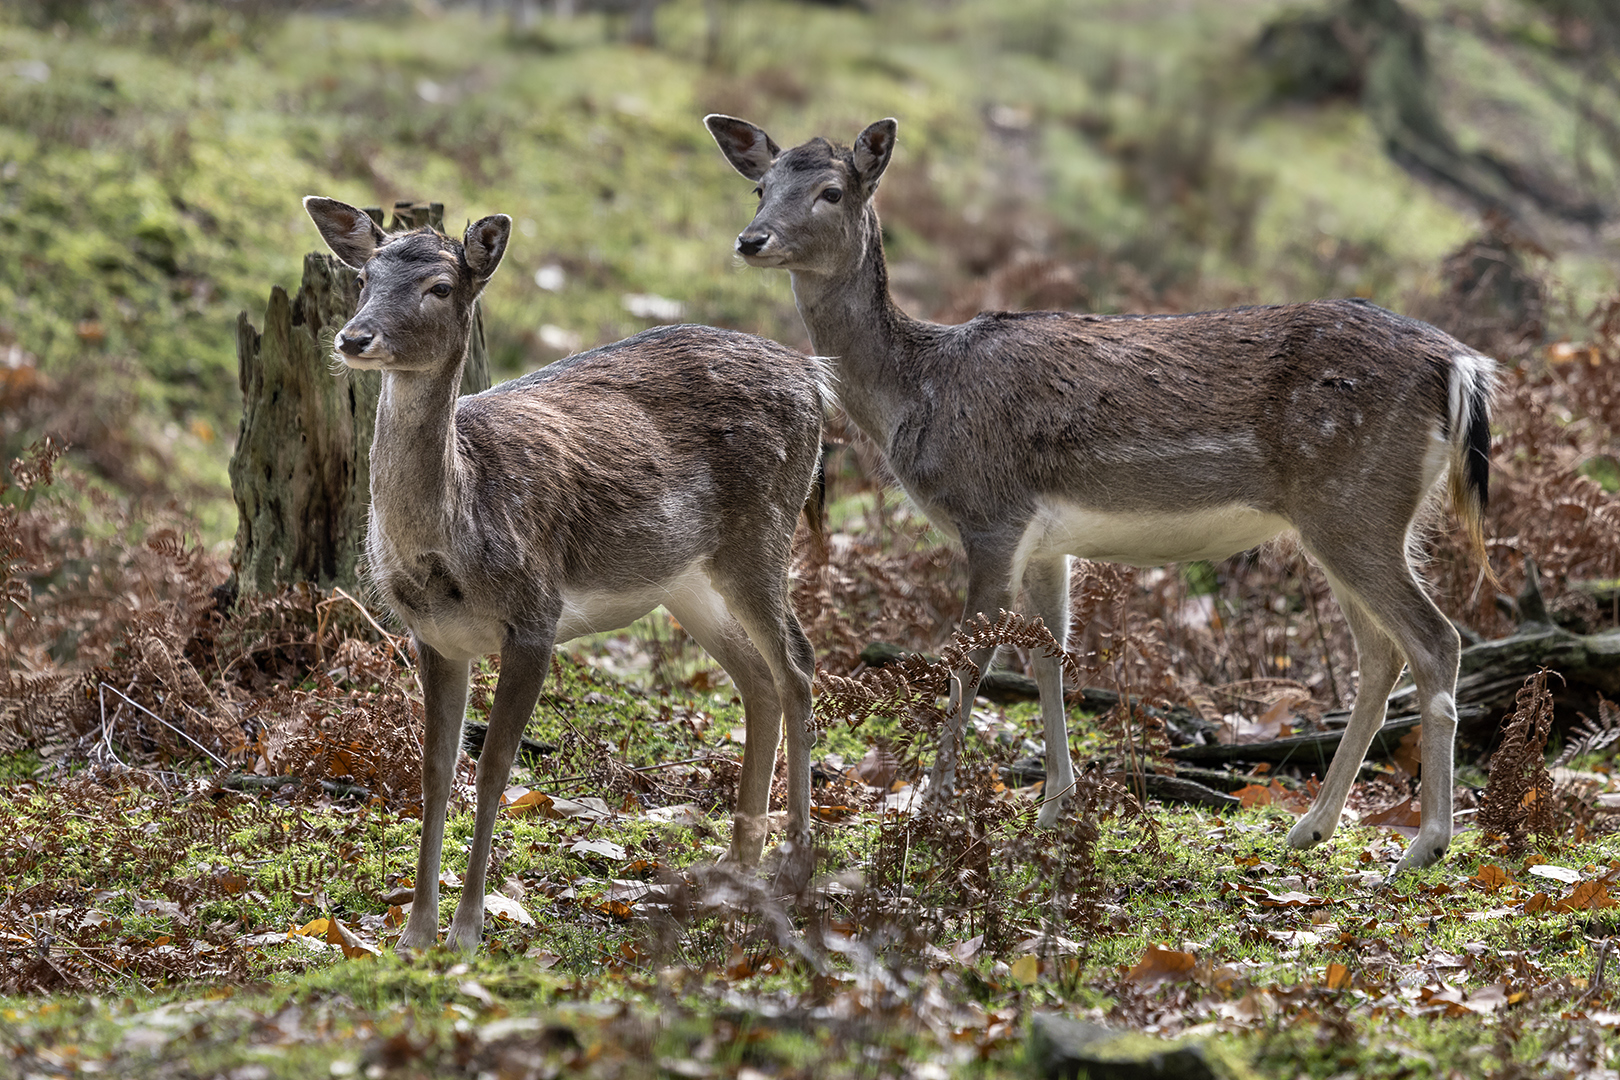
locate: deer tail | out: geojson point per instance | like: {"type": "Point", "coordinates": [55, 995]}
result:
{"type": "Point", "coordinates": [1472, 380]}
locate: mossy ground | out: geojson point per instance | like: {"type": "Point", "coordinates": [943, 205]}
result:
{"type": "Point", "coordinates": [1297, 963]}
{"type": "Point", "coordinates": [150, 174]}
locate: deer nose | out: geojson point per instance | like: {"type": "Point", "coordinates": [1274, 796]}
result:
{"type": "Point", "coordinates": [752, 243]}
{"type": "Point", "coordinates": [354, 344]}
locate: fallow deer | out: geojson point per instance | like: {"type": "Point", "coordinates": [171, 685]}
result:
{"type": "Point", "coordinates": [1035, 436]}
{"type": "Point", "coordinates": [669, 468]}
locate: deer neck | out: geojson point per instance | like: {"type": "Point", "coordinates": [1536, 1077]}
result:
{"type": "Point", "coordinates": [853, 320]}
{"type": "Point", "coordinates": [415, 463]}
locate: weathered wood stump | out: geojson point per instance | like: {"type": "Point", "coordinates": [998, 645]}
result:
{"type": "Point", "coordinates": [301, 471]}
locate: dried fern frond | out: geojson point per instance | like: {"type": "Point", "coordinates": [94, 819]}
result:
{"type": "Point", "coordinates": [911, 687]}
{"type": "Point", "coordinates": [1591, 736]}
{"type": "Point", "coordinates": [1518, 797]}
{"type": "Point", "coordinates": [1009, 628]}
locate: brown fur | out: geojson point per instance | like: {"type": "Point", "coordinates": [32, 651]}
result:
{"type": "Point", "coordinates": [1145, 439]}
{"type": "Point", "coordinates": [668, 468]}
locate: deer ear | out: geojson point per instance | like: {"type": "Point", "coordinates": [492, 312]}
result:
{"type": "Point", "coordinates": [485, 243]}
{"type": "Point", "coordinates": [872, 149]}
{"type": "Point", "coordinates": [347, 230]}
{"type": "Point", "coordinates": [747, 147]}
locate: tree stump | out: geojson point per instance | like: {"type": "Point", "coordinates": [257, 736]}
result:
{"type": "Point", "coordinates": [301, 471]}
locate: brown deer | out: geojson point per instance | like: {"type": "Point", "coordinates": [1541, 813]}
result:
{"type": "Point", "coordinates": [1031, 437]}
{"type": "Point", "coordinates": [669, 468]}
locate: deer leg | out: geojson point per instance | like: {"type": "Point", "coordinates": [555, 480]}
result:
{"type": "Point", "coordinates": [1433, 649]}
{"type": "Point", "coordinates": [444, 703]}
{"type": "Point", "coordinates": [1047, 583]}
{"type": "Point", "coordinates": [1388, 595]}
{"type": "Point", "coordinates": [989, 593]}
{"type": "Point", "coordinates": [1379, 661]}
{"type": "Point", "coordinates": [523, 672]}
{"type": "Point", "coordinates": [709, 619]}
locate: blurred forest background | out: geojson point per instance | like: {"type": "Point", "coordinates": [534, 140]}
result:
{"type": "Point", "coordinates": [1456, 160]}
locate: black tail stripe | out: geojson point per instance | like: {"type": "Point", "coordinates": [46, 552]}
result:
{"type": "Point", "coordinates": [1479, 443]}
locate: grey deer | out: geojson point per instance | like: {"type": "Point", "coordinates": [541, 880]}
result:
{"type": "Point", "coordinates": [1033, 436]}
{"type": "Point", "coordinates": [669, 468]}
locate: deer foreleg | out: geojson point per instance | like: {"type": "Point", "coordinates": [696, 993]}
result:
{"type": "Point", "coordinates": [523, 672]}
{"type": "Point", "coordinates": [989, 593]}
{"type": "Point", "coordinates": [444, 701]}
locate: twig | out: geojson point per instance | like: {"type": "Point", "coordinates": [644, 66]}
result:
{"type": "Point", "coordinates": [645, 768]}
{"type": "Point", "coordinates": [375, 625]}
{"type": "Point", "coordinates": [105, 731]}
{"type": "Point", "coordinates": [1321, 631]}
{"type": "Point", "coordinates": [1602, 964]}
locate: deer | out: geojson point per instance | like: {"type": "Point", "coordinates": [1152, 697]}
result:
{"type": "Point", "coordinates": [669, 469]}
{"type": "Point", "coordinates": [1033, 437]}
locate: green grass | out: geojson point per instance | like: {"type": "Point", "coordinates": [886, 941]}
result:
{"type": "Point", "coordinates": [1260, 989]}
{"type": "Point", "coordinates": [149, 191]}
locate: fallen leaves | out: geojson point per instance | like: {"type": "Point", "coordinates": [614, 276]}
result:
{"type": "Point", "coordinates": [1295, 800]}
{"type": "Point", "coordinates": [499, 906]}
{"type": "Point", "coordinates": [1404, 817]}
{"type": "Point", "coordinates": [1158, 965]}
{"type": "Point", "coordinates": [331, 931]}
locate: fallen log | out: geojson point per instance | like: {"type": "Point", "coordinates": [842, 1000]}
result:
{"type": "Point", "coordinates": [1312, 751]}
{"type": "Point", "coordinates": [338, 789]}
{"type": "Point", "coordinates": [1490, 674]}
{"type": "Point", "coordinates": [473, 734]}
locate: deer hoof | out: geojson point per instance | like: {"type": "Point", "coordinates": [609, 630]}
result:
{"type": "Point", "coordinates": [1306, 833]}
{"type": "Point", "coordinates": [1425, 851]}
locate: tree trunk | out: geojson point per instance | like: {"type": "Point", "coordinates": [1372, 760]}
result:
{"type": "Point", "coordinates": [300, 473]}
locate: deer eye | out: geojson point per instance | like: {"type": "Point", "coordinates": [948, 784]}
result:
{"type": "Point", "coordinates": [832, 194]}
{"type": "Point", "coordinates": [441, 290]}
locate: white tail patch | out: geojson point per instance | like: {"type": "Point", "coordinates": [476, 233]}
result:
{"type": "Point", "coordinates": [1472, 376]}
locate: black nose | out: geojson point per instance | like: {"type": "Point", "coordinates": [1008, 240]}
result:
{"type": "Point", "coordinates": [750, 244]}
{"type": "Point", "coordinates": [354, 344]}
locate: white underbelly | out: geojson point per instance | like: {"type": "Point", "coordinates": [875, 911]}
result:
{"type": "Point", "coordinates": [1145, 539]}
{"type": "Point", "coordinates": [465, 634]}
{"type": "Point", "coordinates": [460, 636]}
{"type": "Point", "coordinates": [593, 611]}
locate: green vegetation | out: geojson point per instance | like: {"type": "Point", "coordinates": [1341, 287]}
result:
{"type": "Point", "coordinates": [151, 166]}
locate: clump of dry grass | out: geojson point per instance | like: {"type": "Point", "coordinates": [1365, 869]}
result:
{"type": "Point", "coordinates": [116, 651]}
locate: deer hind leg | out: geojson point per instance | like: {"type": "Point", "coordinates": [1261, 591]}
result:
{"type": "Point", "coordinates": [989, 592]}
{"type": "Point", "coordinates": [1388, 594]}
{"type": "Point", "coordinates": [1433, 649]}
{"type": "Point", "coordinates": [1047, 583]}
{"type": "Point", "coordinates": [523, 672]}
{"type": "Point", "coordinates": [732, 631]}
{"type": "Point", "coordinates": [1380, 662]}
{"type": "Point", "coordinates": [444, 700]}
